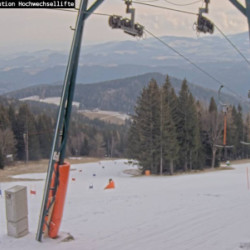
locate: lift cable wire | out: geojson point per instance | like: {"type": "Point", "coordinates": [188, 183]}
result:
{"type": "Point", "coordinates": [76, 10]}
{"type": "Point", "coordinates": [100, 14]}
{"type": "Point", "coordinates": [231, 43]}
{"type": "Point", "coordinates": [185, 12]}
{"type": "Point", "coordinates": [170, 2]}
{"type": "Point", "coordinates": [166, 8]}
{"type": "Point", "coordinates": [148, 1]}
{"type": "Point", "coordinates": [196, 66]}
{"type": "Point", "coordinates": [184, 57]}
{"type": "Point", "coordinates": [220, 31]}
{"type": "Point", "coordinates": [183, 4]}
{"type": "Point", "coordinates": [67, 10]}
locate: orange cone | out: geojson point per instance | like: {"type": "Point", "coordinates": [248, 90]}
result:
{"type": "Point", "coordinates": [110, 185]}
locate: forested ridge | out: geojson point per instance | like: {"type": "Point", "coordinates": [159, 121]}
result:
{"type": "Point", "coordinates": [169, 132]}
{"type": "Point", "coordinates": [26, 133]}
{"type": "Point", "coordinates": [119, 95]}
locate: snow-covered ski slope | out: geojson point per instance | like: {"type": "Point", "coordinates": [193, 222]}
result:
{"type": "Point", "coordinates": [206, 211]}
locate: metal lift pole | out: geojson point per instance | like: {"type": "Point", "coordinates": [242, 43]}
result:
{"type": "Point", "coordinates": [63, 118]}
{"type": "Point", "coordinates": [244, 10]}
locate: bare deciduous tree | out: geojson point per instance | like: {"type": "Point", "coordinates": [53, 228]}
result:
{"type": "Point", "coordinates": [212, 123]}
{"type": "Point", "coordinates": [7, 143]}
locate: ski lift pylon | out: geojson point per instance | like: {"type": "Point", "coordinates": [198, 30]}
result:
{"type": "Point", "coordinates": [224, 109]}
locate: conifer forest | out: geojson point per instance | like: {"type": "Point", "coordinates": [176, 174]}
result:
{"type": "Point", "coordinates": [169, 132]}
{"type": "Point", "coordinates": [174, 132]}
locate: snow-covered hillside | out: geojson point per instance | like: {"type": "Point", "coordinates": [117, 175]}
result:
{"type": "Point", "coordinates": [206, 211]}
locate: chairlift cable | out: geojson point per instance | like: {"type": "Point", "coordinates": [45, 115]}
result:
{"type": "Point", "coordinates": [166, 8]}
{"type": "Point", "coordinates": [184, 57]}
{"type": "Point", "coordinates": [66, 10]}
{"type": "Point", "coordinates": [75, 10]}
{"type": "Point", "coordinates": [196, 66]}
{"type": "Point", "coordinates": [183, 4]}
{"type": "Point", "coordinates": [231, 43]}
{"type": "Point", "coordinates": [220, 31]}
{"type": "Point", "coordinates": [149, 1]}
{"type": "Point", "coordinates": [177, 52]}
{"type": "Point", "coordinates": [186, 12]}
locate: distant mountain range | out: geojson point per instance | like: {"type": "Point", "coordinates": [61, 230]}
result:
{"type": "Point", "coordinates": [113, 60]}
{"type": "Point", "coordinates": [121, 94]}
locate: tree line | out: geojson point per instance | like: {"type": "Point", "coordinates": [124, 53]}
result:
{"type": "Point", "coordinates": [171, 133]}
{"type": "Point", "coordinates": [27, 134]}
{"type": "Point", "coordinates": [168, 132]}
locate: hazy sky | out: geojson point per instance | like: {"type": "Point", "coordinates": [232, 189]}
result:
{"type": "Point", "coordinates": [38, 29]}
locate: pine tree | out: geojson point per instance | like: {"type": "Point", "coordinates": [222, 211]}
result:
{"type": "Point", "coordinates": [12, 116]}
{"type": "Point", "coordinates": [188, 133]}
{"type": "Point", "coordinates": [194, 142]}
{"type": "Point", "coordinates": [240, 126]}
{"type": "Point", "coordinates": [146, 129]}
{"type": "Point", "coordinates": [7, 141]}
{"type": "Point", "coordinates": [212, 106]}
{"type": "Point", "coordinates": [4, 119]}
{"type": "Point", "coordinates": [169, 144]}
{"type": "Point", "coordinates": [236, 132]}
{"type": "Point", "coordinates": [133, 148]}
{"type": "Point", "coordinates": [44, 129]}
{"type": "Point", "coordinates": [7, 144]}
{"type": "Point", "coordinates": [182, 126]}
{"type": "Point", "coordinates": [1, 160]}
{"type": "Point", "coordinates": [201, 161]}
{"type": "Point", "coordinates": [85, 147]}
{"type": "Point", "coordinates": [172, 100]}
{"type": "Point", "coordinates": [246, 136]}
{"type": "Point", "coordinates": [26, 135]}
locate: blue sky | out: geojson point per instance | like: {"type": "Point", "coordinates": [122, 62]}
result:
{"type": "Point", "coordinates": [38, 29]}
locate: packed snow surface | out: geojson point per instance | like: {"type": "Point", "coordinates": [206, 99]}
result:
{"type": "Point", "coordinates": [205, 211]}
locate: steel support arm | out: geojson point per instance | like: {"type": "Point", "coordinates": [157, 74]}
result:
{"type": "Point", "coordinates": [63, 118]}
{"type": "Point", "coordinates": [244, 10]}
{"type": "Point", "coordinates": [239, 6]}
